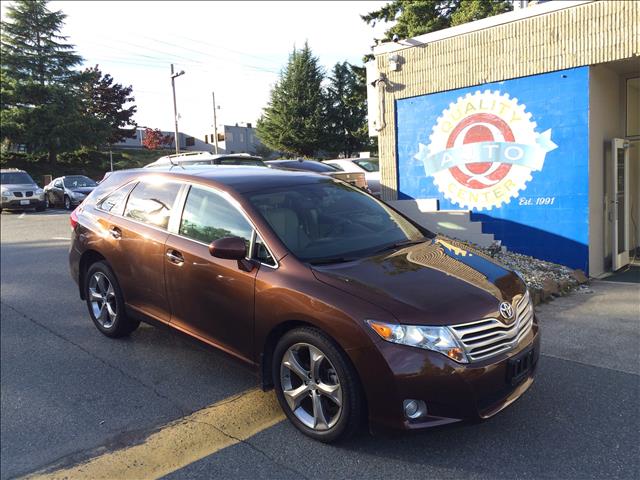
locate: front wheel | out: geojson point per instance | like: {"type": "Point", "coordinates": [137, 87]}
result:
{"type": "Point", "coordinates": [105, 302]}
{"type": "Point", "coordinates": [67, 203]}
{"type": "Point", "coordinates": [316, 385]}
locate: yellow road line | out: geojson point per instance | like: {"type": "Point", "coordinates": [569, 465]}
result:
{"type": "Point", "coordinates": [182, 442]}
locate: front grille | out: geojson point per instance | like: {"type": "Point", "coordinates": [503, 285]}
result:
{"type": "Point", "coordinates": [29, 194]}
{"type": "Point", "coordinates": [17, 194]}
{"type": "Point", "coordinates": [489, 337]}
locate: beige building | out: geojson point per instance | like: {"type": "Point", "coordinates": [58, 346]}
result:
{"type": "Point", "coordinates": [526, 124]}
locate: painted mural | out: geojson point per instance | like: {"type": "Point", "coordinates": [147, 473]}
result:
{"type": "Point", "coordinates": [515, 153]}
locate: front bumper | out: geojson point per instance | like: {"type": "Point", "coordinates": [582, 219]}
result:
{"type": "Point", "coordinates": [453, 392]}
{"type": "Point", "coordinates": [22, 203]}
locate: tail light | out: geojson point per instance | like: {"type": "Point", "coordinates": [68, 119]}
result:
{"type": "Point", "coordinates": [73, 219]}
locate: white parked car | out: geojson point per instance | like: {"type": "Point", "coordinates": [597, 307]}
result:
{"type": "Point", "coordinates": [369, 166]}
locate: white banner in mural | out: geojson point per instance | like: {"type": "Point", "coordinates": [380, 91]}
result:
{"type": "Point", "coordinates": [482, 150]}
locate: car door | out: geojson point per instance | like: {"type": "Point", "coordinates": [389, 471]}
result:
{"type": "Point", "coordinates": [58, 191]}
{"type": "Point", "coordinates": [211, 298]}
{"type": "Point", "coordinates": [138, 235]}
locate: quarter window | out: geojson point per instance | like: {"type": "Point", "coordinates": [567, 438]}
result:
{"type": "Point", "coordinates": [208, 216]}
{"type": "Point", "coordinates": [152, 203]}
{"type": "Point", "coordinates": [114, 202]}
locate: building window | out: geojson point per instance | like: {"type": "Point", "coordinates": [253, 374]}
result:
{"type": "Point", "coordinates": [633, 100]}
{"type": "Point", "coordinates": [206, 139]}
{"type": "Point", "coordinates": [229, 137]}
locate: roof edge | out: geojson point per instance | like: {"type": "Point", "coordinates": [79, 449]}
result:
{"type": "Point", "coordinates": [482, 24]}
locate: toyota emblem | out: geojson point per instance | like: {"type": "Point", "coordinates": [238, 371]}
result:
{"type": "Point", "coordinates": [506, 310]}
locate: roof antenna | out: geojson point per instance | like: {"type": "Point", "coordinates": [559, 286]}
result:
{"type": "Point", "coordinates": [175, 164]}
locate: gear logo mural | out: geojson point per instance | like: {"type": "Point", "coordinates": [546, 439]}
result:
{"type": "Point", "coordinates": [483, 149]}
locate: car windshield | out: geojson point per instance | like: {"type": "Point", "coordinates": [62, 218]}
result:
{"type": "Point", "coordinates": [78, 181]}
{"type": "Point", "coordinates": [330, 221]}
{"type": "Point", "coordinates": [16, 178]}
{"type": "Point", "coordinates": [253, 162]}
{"type": "Point", "coordinates": [370, 165]}
{"type": "Point", "coordinates": [307, 165]}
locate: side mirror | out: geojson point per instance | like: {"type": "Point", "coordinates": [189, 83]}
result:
{"type": "Point", "coordinates": [232, 248]}
{"type": "Point", "coordinates": [229, 248]}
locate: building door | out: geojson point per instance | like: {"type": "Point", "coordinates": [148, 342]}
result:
{"type": "Point", "coordinates": [619, 203]}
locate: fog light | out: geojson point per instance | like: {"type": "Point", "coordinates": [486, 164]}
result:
{"type": "Point", "coordinates": [414, 408]}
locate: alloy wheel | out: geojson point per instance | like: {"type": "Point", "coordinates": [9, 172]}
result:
{"type": "Point", "coordinates": [311, 386]}
{"type": "Point", "coordinates": [67, 203]}
{"type": "Point", "coordinates": [102, 298]}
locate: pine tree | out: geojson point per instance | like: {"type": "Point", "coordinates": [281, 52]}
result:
{"type": "Point", "coordinates": [346, 110]}
{"type": "Point", "coordinates": [293, 121]}
{"type": "Point", "coordinates": [39, 108]}
{"type": "Point", "coordinates": [417, 17]}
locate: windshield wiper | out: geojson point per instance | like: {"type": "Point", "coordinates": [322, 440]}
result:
{"type": "Point", "coordinates": [405, 243]}
{"type": "Point", "coordinates": [327, 261]}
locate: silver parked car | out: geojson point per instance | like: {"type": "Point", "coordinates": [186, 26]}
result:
{"type": "Point", "coordinates": [68, 191]}
{"type": "Point", "coordinates": [19, 191]}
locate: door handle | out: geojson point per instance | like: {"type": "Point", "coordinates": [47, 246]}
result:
{"type": "Point", "coordinates": [175, 257]}
{"type": "Point", "coordinates": [115, 233]}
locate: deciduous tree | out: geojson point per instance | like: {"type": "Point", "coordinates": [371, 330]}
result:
{"type": "Point", "coordinates": [153, 139]}
{"type": "Point", "coordinates": [107, 105]}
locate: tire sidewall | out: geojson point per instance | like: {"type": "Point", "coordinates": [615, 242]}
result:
{"type": "Point", "coordinates": [337, 358]}
{"type": "Point", "coordinates": [103, 268]}
{"type": "Point", "coordinates": [67, 203]}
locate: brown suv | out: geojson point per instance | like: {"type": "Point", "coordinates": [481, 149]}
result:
{"type": "Point", "coordinates": [347, 308]}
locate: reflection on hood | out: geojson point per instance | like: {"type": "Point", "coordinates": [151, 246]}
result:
{"type": "Point", "coordinates": [446, 256]}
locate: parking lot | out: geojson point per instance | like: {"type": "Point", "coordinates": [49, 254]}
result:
{"type": "Point", "coordinates": [139, 407]}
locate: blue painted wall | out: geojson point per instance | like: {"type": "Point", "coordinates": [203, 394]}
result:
{"type": "Point", "coordinates": [531, 135]}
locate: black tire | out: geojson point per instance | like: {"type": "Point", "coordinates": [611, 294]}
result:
{"type": "Point", "coordinates": [67, 203]}
{"type": "Point", "coordinates": [352, 413]}
{"type": "Point", "coordinates": [121, 325]}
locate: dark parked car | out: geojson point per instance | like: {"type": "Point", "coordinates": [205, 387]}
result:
{"type": "Point", "coordinates": [19, 191]}
{"type": "Point", "coordinates": [344, 306]}
{"type": "Point", "coordinates": [354, 178]}
{"type": "Point", "coordinates": [68, 191]}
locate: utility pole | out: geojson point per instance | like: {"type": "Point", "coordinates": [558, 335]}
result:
{"type": "Point", "coordinates": [175, 108]}
{"type": "Point", "coordinates": [111, 158]}
{"type": "Point", "coordinates": [215, 123]}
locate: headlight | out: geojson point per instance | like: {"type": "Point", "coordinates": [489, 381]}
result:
{"type": "Point", "coordinates": [39, 191]}
{"type": "Point", "coordinates": [5, 193]}
{"type": "Point", "coordinates": [438, 339]}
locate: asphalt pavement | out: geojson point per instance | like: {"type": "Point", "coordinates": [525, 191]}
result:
{"type": "Point", "coordinates": [69, 394]}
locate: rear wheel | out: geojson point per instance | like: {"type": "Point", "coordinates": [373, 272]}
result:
{"type": "Point", "coordinates": [316, 385]}
{"type": "Point", "coordinates": [105, 302]}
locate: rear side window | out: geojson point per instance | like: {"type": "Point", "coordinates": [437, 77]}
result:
{"type": "Point", "coordinates": [152, 202]}
{"type": "Point", "coordinates": [208, 216]}
{"type": "Point", "coordinates": [114, 202]}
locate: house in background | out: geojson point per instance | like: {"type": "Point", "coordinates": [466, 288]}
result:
{"type": "Point", "coordinates": [523, 127]}
{"type": "Point", "coordinates": [235, 139]}
{"type": "Point", "coordinates": [186, 142]}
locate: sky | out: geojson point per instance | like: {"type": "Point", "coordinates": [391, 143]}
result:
{"type": "Point", "coordinates": [236, 49]}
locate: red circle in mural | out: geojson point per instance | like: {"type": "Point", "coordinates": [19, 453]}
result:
{"type": "Point", "coordinates": [480, 174]}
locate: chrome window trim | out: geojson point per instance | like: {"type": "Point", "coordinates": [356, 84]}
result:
{"type": "Point", "coordinates": [234, 203]}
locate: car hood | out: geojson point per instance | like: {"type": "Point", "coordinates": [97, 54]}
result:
{"type": "Point", "coordinates": [438, 282]}
{"type": "Point", "coordinates": [83, 190]}
{"type": "Point", "coordinates": [19, 187]}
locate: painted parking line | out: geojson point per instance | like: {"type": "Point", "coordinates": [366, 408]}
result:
{"type": "Point", "coordinates": [182, 442]}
